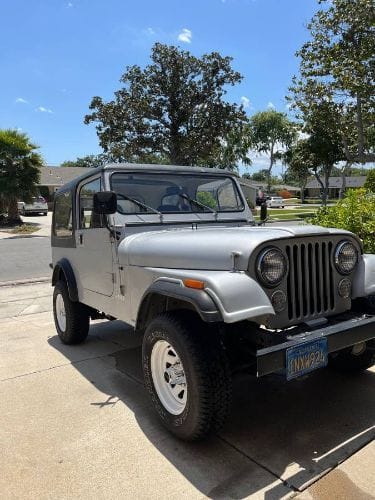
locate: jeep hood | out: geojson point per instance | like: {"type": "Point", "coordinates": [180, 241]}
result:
{"type": "Point", "coordinates": [205, 248]}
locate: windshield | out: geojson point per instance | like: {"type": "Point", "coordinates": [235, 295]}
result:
{"type": "Point", "coordinates": [175, 193]}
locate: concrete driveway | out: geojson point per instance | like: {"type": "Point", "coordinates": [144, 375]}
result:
{"type": "Point", "coordinates": [76, 422]}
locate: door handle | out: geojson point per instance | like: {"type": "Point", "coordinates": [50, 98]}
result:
{"type": "Point", "coordinates": [80, 238]}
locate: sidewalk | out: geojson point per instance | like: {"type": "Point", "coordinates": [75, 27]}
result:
{"type": "Point", "coordinates": [77, 423]}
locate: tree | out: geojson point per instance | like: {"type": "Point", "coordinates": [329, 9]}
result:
{"type": "Point", "coordinates": [337, 71]}
{"type": "Point", "coordinates": [172, 111]}
{"type": "Point", "coordinates": [271, 132]}
{"type": "Point", "coordinates": [300, 162]}
{"type": "Point", "coordinates": [19, 170]}
{"type": "Point", "coordinates": [89, 161]}
{"type": "Point", "coordinates": [370, 181]}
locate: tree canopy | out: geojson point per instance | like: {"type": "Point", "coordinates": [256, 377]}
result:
{"type": "Point", "coordinates": [172, 111]}
{"type": "Point", "coordinates": [19, 170]}
{"type": "Point", "coordinates": [271, 132]}
{"type": "Point", "coordinates": [89, 161]}
{"type": "Point", "coordinates": [337, 72]}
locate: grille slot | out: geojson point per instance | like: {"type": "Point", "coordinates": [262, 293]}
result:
{"type": "Point", "coordinates": [310, 279]}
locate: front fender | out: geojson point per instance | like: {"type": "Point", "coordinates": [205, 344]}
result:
{"type": "Point", "coordinates": [236, 295]}
{"type": "Point", "coordinates": [364, 280]}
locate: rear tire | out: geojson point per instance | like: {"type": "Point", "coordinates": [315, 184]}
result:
{"type": "Point", "coordinates": [187, 374]}
{"type": "Point", "coordinates": [347, 361]}
{"type": "Point", "coordinates": [72, 319]}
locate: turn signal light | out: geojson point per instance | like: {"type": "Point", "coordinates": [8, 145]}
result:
{"type": "Point", "coordinates": [199, 285]}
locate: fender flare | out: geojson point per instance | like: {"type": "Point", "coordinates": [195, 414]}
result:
{"type": "Point", "coordinates": [64, 266]}
{"type": "Point", "coordinates": [199, 299]}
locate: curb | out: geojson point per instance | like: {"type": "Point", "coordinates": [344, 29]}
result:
{"type": "Point", "coordinates": [29, 281]}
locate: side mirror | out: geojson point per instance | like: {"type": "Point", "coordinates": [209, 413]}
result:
{"type": "Point", "coordinates": [105, 202]}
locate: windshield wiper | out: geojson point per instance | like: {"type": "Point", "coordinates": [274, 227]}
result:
{"type": "Point", "coordinates": [198, 204]}
{"type": "Point", "coordinates": [142, 205]}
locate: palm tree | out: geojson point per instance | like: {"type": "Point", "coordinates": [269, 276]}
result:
{"type": "Point", "coordinates": [19, 170]}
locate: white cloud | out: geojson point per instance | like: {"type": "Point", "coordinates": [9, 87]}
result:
{"type": "Point", "coordinates": [150, 31]}
{"type": "Point", "coordinates": [270, 105]}
{"type": "Point", "coordinates": [245, 101]}
{"type": "Point", "coordinates": [21, 100]}
{"type": "Point", "coordinates": [69, 5]}
{"type": "Point", "coordinates": [185, 36]}
{"type": "Point", "coordinates": [42, 109]}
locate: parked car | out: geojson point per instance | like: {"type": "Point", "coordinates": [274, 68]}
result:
{"type": "Point", "coordinates": [174, 252]}
{"type": "Point", "coordinates": [275, 202]}
{"type": "Point", "coordinates": [38, 205]}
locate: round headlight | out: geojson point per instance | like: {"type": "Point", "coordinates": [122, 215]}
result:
{"type": "Point", "coordinates": [346, 257]}
{"type": "Point", "coordinates": [271, 266]}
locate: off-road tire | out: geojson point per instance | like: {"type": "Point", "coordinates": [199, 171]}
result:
{"type": "Point", "coordinates": [206, 369]}
{"type": "Point", "coordinates": [77, 317]}
{"type": "Point", "coordinates": [346, 362]}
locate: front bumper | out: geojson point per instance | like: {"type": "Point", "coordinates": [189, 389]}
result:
{"type": "Point", "coordinates": [339, 335]}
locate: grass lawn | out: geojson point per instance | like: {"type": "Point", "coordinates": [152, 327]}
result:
{"type": "Point", "coordinates": [290, 211]}
{"type": "Point", "coordinates": [288, 214]}
{"type": "Point", "coordinates": [22, 229]}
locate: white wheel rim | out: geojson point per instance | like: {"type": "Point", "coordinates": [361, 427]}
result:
{"type": "Point", "coordinates": [60, 312]}
{"type": "Point", "coordinates": [169, 377]}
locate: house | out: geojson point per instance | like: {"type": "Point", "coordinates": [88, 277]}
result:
{"type": "Point", "coordinates": [52, 178]}
{"type": "Point", "coordinates": [313, 187]}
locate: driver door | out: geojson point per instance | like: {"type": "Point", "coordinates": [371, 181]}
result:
{"type": "Point", "coordinates": [94, 244]}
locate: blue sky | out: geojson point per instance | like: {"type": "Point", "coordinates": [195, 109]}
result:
{"type": "Point", "coordinates": [55, 55]}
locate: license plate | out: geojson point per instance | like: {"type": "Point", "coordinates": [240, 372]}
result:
{"type": "Point", "coordinates": [305, 358]}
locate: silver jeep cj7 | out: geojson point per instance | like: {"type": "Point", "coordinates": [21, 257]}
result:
{"type": "Point", "coordinates": [174, 252]}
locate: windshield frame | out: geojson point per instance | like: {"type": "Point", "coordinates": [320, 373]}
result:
{"type": "Point", "coordinates": [214, 176]}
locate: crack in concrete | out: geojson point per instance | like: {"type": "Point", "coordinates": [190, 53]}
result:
{"type": "Point", "coordinates": [274, 474]}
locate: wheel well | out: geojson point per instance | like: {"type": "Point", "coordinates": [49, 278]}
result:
{"type": "Point", "coordinates": [58, 275]}
{"type": "Point", "coordinates": [156, 303]}
{"type": "Point", "coordinates": [63, 271]}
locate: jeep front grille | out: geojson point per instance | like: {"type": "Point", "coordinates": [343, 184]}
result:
{"type": "Point", "coordinates": [310, 280]}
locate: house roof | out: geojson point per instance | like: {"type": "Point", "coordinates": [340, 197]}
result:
{"type": "Point", "coordinates": [356, 181]}
{"type": "Point", "coordinates": [263, 185]}
{"type": "Point", "coordinates": [58, 176]}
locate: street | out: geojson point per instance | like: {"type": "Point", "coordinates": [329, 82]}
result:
{"type": "Point", "coordinates": [25, 257]}
{"type": "Point", "coordinates": [77, 423]}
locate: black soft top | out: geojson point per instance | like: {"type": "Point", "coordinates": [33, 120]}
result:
{"type": "Point", "coordinates": [145, 167]}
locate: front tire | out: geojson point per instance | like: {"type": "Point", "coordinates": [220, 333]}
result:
{"type": "Point", "coordinates": [354, 359]}
{"type": "Point", "coordinates": [187, 374]}
{"type": "Point", "coordinates": [72, 319]}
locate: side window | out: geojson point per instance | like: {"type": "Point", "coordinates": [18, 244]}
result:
{"type": "Point", "coordinates": [228, 197]}
{"type": "Point", "coordinates": [87, 217]}
{"type": "Point", "coordinates": [63, 227]}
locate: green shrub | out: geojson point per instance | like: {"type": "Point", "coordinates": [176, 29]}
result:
{"type": "Point", "coordinates": [370, 181]}
{"type": "Point", "coordinates": [355, 213]}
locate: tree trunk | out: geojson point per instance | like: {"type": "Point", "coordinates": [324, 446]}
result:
{"type": "Point", "coordinates": [361, 135]}
{"type": "Point", "coordinates": [344, 171]}
{"type": "Point", "coordinates": [323, 190]}
{"type": "Point", "coordinates": [13, 215]}
{"type": "Point", "coordinates": [303, 186]}
{"type": "Point", "coordinates": [269, 173]}
{"type": "Point", "coordinates": [2, 205]}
